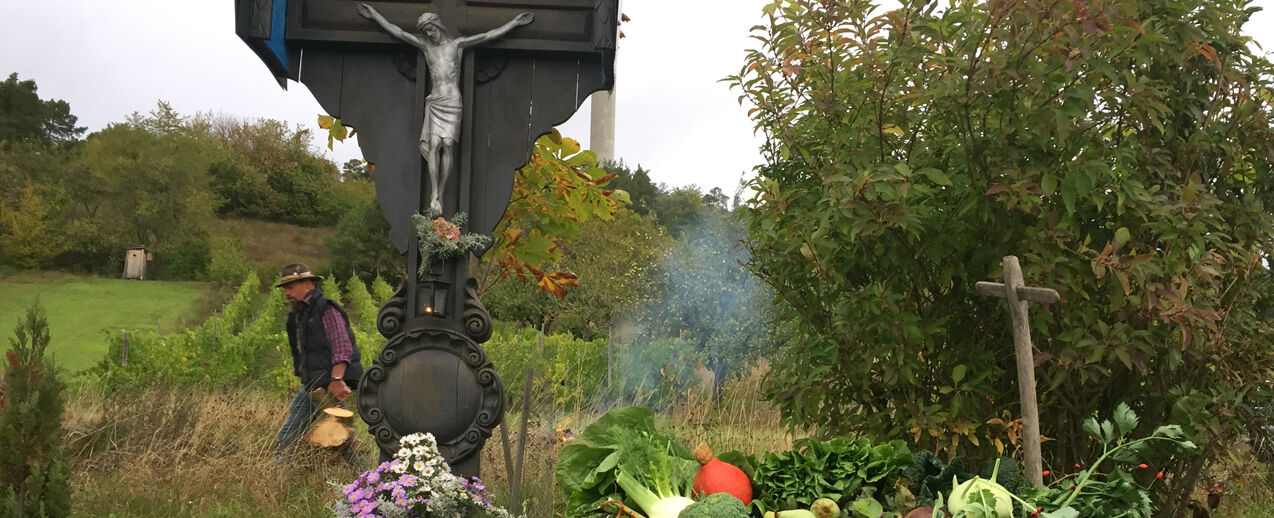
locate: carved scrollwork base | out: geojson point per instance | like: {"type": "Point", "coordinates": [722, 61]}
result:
{"type": "Point", "coordinates": [432, 380]}
{"type": "Point", "coordinates": [392, 315]}
{"type": "Point", "coordinates": [477, 321]}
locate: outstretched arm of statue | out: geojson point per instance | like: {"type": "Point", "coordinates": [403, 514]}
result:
{"type": "Point", "coordinates": [498, 32]}
{"type": "Point", "coordinates": [371, 14]}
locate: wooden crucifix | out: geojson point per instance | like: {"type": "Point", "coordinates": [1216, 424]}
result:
{"type": "Point", "coordinates": [448, 97]}
{"type": "Point", "coordinates": [1019, 295]}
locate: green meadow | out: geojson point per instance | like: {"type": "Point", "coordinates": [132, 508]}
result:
{"type": "Point", "coordinates": [82, 310]}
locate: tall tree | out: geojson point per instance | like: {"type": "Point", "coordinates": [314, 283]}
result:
{"type": "Point", "coordinates": [273, 172]}
{"type": "Point", "coordinates": [636, 182]}
{"type": "Point", "coordinates": [1123, 150]}
{"type": "Point", "coordinates": [361, 246]}
{"type": "Point", "coordinates": [560, 187]}
{"type": "Point", "coordinates": [29, 237]}
{"type": "Point", "coordinates": [28, 119]}
{"type": "Point", "coordinates": [619, 263]}
{"type": "Point", "coordinates": [144, 182]}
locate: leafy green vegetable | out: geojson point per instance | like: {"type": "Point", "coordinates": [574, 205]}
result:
{"type": "Point", "coordinates": [837, 469]}
{"type": "Point", "coordinates": [981, 498]}
{"type": "Point", "coordinates": [1094, 492]}
{"type": "Point", "coordinates": [663, 488]}
{"type": "Point", "coordinates": [622, 441]}
{"type": "Point", "coordinates": [930, 479]}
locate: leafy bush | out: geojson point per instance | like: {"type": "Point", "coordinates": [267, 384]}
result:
{"type": "Point", "coordinates": [381, 290]}
{"type": "Point", "coordinates": [1123, 152]}
{"type": "Point", "coordinates": [186, 260]}
{"type": "Point", "coordinates": [361, 245]}
{"type": "Point", "coordinates": [228, 264]}
{"type": "Point", "coordinates": [34, 479]}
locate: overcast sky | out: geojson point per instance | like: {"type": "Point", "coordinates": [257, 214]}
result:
{"type": "Point", "coordinates": [109, 58]}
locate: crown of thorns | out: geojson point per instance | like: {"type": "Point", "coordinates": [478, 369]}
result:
{"type": "Point", "coordinates": [428, 19]}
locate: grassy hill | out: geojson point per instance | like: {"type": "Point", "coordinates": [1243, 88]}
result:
{"type": "Point", "coordinates": [269, 246]}
{"type": "Point", "coordinates": [82, 309]}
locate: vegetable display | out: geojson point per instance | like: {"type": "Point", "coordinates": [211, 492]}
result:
{"type": "Point", "coordinates": [621, 466]}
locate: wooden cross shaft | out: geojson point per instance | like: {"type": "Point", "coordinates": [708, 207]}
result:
{"type": "Point", "coordinates": [1019, 295]}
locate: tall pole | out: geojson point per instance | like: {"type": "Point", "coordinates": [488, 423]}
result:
{"type": "Point", "coordinates": [602, 127]}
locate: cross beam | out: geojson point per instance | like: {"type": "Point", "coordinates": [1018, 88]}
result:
{"type": "Point", "coordinates": [1019, 295]}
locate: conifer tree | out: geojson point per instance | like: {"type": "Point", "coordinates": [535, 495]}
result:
{"type": "Point", "coordinates": [34, 479]}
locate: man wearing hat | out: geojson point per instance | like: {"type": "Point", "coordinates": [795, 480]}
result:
{"type": "Point", "coordinates": [323, 354]}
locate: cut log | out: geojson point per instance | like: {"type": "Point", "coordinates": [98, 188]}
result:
{"type": "Point", "coordinates": [338, 412]}
{"type": "Point", "coordinates": [330, 432]}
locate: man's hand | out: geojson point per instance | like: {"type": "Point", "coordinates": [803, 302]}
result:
{"type": "Point", "coordinates": [524, 18]}
{"type": "Point", "coordinates": [338, 390]}
{"type": "Point", "coordinates": [367, 11]}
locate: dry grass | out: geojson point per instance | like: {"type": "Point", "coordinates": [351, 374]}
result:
{"type": "Point", "coordinates": [201, 453]}
{"type": "Point", "coordinates": [183, 452]}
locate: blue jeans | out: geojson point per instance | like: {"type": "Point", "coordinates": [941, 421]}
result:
{"type": "Point", "coordinates": [302, 413]}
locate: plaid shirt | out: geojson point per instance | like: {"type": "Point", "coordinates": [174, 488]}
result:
{"type": "Point", "coordinates": [334, 328]}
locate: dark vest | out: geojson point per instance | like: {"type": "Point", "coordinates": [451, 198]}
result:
{"type": "Point", "coordinates": [314, 359]}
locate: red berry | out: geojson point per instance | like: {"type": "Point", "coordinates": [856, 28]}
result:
{"type": "Point", "coordinates": [1047, 472]}
{"type": "Point", "coordinates": [1077, 465]}
{"type": "Point", "coordinates": [1160, 475]}
{"type": "Point", "coordinates": [1072, 486]}
{"type": "Point", "coordinates": [1143, 466]}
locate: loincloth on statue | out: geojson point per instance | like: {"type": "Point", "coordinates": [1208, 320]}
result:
{"type": "Point", "coordinates": [442, 119]}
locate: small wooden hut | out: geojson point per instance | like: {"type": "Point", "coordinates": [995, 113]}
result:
{"type": "Point", "coordinates": [135, 263]}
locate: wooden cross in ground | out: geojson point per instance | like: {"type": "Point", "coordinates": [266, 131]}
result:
{"type": "Point", "coordinates": [1018, 295]}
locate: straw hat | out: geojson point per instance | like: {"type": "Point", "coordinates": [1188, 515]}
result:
{"type": "Point", "coordinates": [296, 272]}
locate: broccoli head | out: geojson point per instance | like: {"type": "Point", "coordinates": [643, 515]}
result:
{"type": "Point", "coordinates": [718, 505]}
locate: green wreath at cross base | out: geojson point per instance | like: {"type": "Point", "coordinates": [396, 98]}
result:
{"type": "Point", "coordinates": [441, 239]}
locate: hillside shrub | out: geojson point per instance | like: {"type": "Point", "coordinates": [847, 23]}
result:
{"type": "Point", "coordinates": [228, 264]}
{"type": "Point", "coordinates": [186, 260]}
{"type": "Point", "coordinates": [362, 313]}
{"type": "Point", "coordinates": [381, 290]}
{"type": "Point", "coordinates": [34, 479]}
{"type": "Point", "coordinates": [361, 245]}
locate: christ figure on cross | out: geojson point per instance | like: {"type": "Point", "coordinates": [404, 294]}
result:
{"type": "Point", "coordinates": [443, 107]}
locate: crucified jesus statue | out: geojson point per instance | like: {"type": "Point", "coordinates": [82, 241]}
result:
{"type": "Point", "coordinates": [443, 107]}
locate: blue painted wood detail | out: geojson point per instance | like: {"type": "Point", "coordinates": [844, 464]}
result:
{"type": "Point", "coordinates": [278, 25]}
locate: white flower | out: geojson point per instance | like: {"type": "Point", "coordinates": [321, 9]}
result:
{"type": "Point", "coordinates": [418, 451]}
{"type": "Point", "coordinates": [399, 468]}
{"type": "Point", "coordinates": [403, 453]}
{"type": "Point", "coordinates": [418, 466]}
{"type": "Point", "coordinates": [428, 471]}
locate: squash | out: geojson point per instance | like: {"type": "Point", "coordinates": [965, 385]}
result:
{"type": "Point", "coordinates": [720, 477]}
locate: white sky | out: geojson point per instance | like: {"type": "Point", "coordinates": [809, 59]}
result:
{"type": "Point", "coordinates": [109, 58]}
